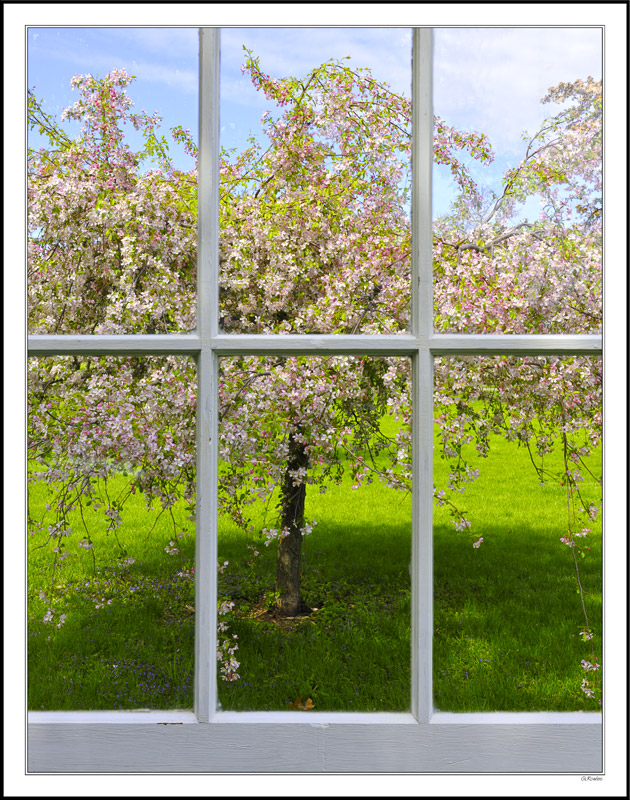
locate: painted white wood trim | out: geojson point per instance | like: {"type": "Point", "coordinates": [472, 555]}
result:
{"type": "Point", "coordinates": [149, 716]}
{"type": "Point", "coordinates": [422, 538]}
{"type": "Point", "coordinates": [314, 718]}
{"type": "Point", "coordinates": [206, 525]}
{"type": "Point", "coordinates": [517, 718]}
{"type": "Point", "coordinates": [422, 371]}
{"type": "Point", "coordinates": [516, 344]}
{"type": "Point", "coordinates": [314, 344]}
{"type": "Point", "coordinates": [123, 345]}
{"type": "Point", "coordinates": [318, 746]}
{"type": "Point", "coordinates": [174, 741]}
{"type": "Point", "coordinates": [422, 182]}
{"type": "Point", "coordinates": [206, 537]}
{"type": "Point", "coordinates": [141, 716]}
{"type": "Point", "coordinates": [208, 185]}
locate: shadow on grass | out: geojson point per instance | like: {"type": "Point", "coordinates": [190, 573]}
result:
{"type": "Point", "coordinates": [127, 642]}
{"type": "Point", "coordinates": [507, 619]}
{"type": "Point", "coordinates": [507, 622]}
{"type": "Point", "coordinates": [352, 652]}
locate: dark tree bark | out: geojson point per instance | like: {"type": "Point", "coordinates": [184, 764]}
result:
{"type": "Point", "coordinates": [289, 567]}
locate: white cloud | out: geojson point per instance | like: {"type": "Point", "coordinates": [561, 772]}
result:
{"type": "Point", "coordinates": [158, 55]}
{"type": "Point", "coordinates": [492, 79]}
{"type": "Point", "coordinates": [165, 42]}
{"type": "Point", "coordinates": [185, 80]}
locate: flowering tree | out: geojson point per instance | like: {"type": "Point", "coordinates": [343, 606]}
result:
{"type": "Point", "coordinates": [315, 238]}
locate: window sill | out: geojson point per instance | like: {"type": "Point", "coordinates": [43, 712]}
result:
{"type": "Point", "coordinates": [311, 742]}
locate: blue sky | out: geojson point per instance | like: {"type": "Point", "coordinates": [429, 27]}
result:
{"type": "Point", "coordinates": [492, 80]}
{"type": "Point", "coordinates": [485, 79]}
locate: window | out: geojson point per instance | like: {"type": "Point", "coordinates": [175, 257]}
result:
{"type": "Point", "coordinates": [211, 741]}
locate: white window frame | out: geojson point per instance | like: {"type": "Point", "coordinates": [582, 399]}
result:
{"type": "Point", "coordinates": [207, 740]}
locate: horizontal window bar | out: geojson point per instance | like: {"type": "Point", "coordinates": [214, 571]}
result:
{"type": "Point", "coordinates": [440, 344]}
{"type": "Point", "coordinates": [517, 344]}
{"type": "Point", "coordinates": [123, 345]}
{"type": "Point", "coordinates": [517, 718]}
{"type": "Point", "coordinates": [140, 716]}
{"type": "Point", "coordinates": [177, 717]}
{"type": "Point", "coordinates": [314, 344]}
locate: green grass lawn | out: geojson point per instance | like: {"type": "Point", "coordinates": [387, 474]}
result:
{"type": "Point", "coordinates": [128, 638]}
{"type": "Point", "coordinates": [506, 620]}
{"type": "Point", "coordinates": [353, 652]}
{"type": "Point", "coordinates": [507, 617]}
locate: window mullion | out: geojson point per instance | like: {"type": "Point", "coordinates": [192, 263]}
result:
{"type": "Point", "coordinates": [422, 176]}
{"type": "Point", "coordinates": [422, 392]}
{"type": "Point", "coordinates": [207, 377]}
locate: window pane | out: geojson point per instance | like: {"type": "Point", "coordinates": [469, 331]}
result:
{"type": "Point", "coordinates": [111, 539]}
{"type": "Point", "coordinates": [315, 534]}
{"type": "Point", "coordinates": [315, 179]}
{"type": "Point", "coordinates": [112, 193]}
{"type": "Point", "coordinates": [517, 534]}
{"type": "Point", "coordinates": [518, 180]}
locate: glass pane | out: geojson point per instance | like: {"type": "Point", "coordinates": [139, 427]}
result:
{"type": "Point", "coordinates": [517, 534]}
{"type": "Point", "coordinates": [315, 534]}
{"type": "Point", "coordinates": [112, 186]}
{"type": "Point", "coordinates": [517, 182]}
{"type": "Point", "coordinates": [315, 179]}
{"type": "Point", "coordinates": [111, 540]}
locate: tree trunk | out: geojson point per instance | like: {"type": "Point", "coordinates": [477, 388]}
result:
{"type": "Point", "coordinates": [288, 572]}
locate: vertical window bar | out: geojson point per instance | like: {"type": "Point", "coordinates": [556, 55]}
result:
{"type": "Point", "coordinates": [207, 376]}
{"type": "Point", "coordinates": [422, 395]}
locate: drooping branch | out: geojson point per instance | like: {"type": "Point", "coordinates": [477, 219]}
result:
{"type": "Point", "coordinates": [462, 245]}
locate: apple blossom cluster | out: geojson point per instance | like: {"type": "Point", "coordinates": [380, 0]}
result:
{"type": "Point", "coordinates": [271, 534]}
{"type": "Point", "coordinates": [315, 230]}
{"type": "Point", "coordinates": [306, 395]}
{"type": "Point", "coordinates": [111, 249]}
{"type": "Point", "coordinates": [226, 644]}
